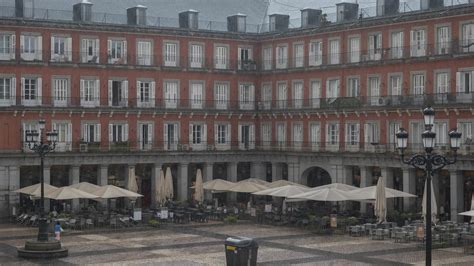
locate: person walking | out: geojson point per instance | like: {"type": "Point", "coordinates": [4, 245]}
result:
{"type": "Point", "coordinates": [57, 231]}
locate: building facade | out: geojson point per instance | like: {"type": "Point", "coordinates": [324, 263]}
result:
{"type": "Point", "coordinates": [313, 105]}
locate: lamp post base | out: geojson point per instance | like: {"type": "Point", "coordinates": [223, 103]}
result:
{"type": "Point", "coordinates": [42, 229]}
{"type": "Point", "coordinates": [35, 249]}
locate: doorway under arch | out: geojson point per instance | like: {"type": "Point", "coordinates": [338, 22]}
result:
{"type": "Point", "coordinates": [316, 176]}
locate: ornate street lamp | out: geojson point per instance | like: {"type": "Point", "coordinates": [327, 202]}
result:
{"type": "Point", "coordinates": [429, 162]}
{"type": "Point", "coordinates": [36, 143]}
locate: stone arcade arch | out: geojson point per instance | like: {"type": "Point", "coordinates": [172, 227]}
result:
{"type": "Point", "coordinates": [316, 176]}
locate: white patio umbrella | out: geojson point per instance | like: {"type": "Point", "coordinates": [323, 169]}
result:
{"type": "Point", "coordinates": [380, 202]}
{"type": "Point", "coordinates": [218, 185]}
{"type": "Point", "coordinates": [132, 181]}
{"type": "Point", "coordinates": [370, 193]}
{"type": "Point", "coordinates": [247, 186]}
{"type": "Point", "coordinates": [284, 191]}
{"type": "Point", "coordinates": [468, 213]}
{"type": "Point", "coordinates": [434, 206]}
{"type": "Point", "coordinates": [86, 187]}
{"type": "Point", "coordinates": [67, 193]}
{"type": "Point", "coordinates": [169, 190]}
{"type": "Point", "coordinates": [340, 186]}
{"type": "Point", "coordinates": [199, 190]}
{"type": "Point", "coordinates": [325, 194]}
{"type": "Point", "coordinates": [257, 180]}
{"type": "Point", "coordinates": [160, 188]}
{"type": "Point", "coordinates": [281, 183]}
{"type": "Point", "coordinates": [111, 192]}
{"type": "Point", "coordinates": [35, 190]}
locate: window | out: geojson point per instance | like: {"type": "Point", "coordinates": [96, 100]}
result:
{"type": "Point", "coordinates": [31, 90]}
{"type": "Point", "coordinates": [7, 91]}
{"type": "Point", "coordinates": [298, 55]}
{"type": "Point", "coordinates": [246, 136]}
{"type": "Point", "coordinates": [314, 136]}
{"type": "Point", "coordinates": [145, 93]}
{"type": "Point", "coordinates": [395, 82]}
{"type": "Point", "coordinates": [246, 58]}
{"type": "Point", "coordinates": [117, 51]}
{"type": "Point", "coordinates": [64, 130]}
{"type": "Point", "coordinates": [171, 136]}
{"type": "Point", "coordinates": [118, 132]}
{"type": "Point", "coordinates": [28, 127]}
{"type": "Point", "coordinates": [374, 91]}
{"type": "Point", "coordinates": [281, 56]}
{"type": "Point", "coordinates": [297, 135]}
{"type": "Point", "coordinates": [353, 87]}
{"type": "Point", "coordinates": [442, 82]}
{"type": "Point", "coordinates": [443, 40]}
{"type": "Point", "coordinates": [118, 93]}
{"type": "Point", "coordinates": [90, 50]}
{"type": "Point", "coordinates": [375, 46]}
{"type": "Point", "coordinates": [60, 91]}
{"type": "Point", "coordinates": [222, 134]}
{"type": "Point", "coordinates": [7, 46]}
{"type": "Point", "coordinates": [416, 128]}
{"type": "Point", "coordinates": [372, 133]}
{"type": "Point", "coordinates": [332, 90]}
{"type": "Point", "coordinates": [354, 49]}
{"type": "Point", "coordinates": [334, 53]}
{"type": "Point", "coordinates": [396, 45]}
{"type": "Point", "coordinates": [418, 84]}
{"type": "Point", "coordinates": [145, 135]}
{"type": "Point", "coordinates": [170, 54]}
{"type": "Point", "coordinates": [267, 96]}
{"type": "Point", "coordinates": [315, 53]}
{"type": "Point", "coordinates": [197, 95]}
{"type": "Point", "coordinates": [281, 134]}
{"type": "Point", "coordinates": [90, 132]}
{"type": "Point", "coordinates": [144, 53]}
{"type": "Point", "coordinates": [90, 92]}
{"type": "Point", "coordinates": [332, 134]}
{"type": "Point", "coordinates": [266, 134]}
{"type": "Point", "coordinates": [221, 54]}
{"type": "Point", "coordinates": [197, 135]}
{"type": "Point", "coordinates": [393, 128]}
{"type": "Point", "coordinates": [61, 49]}
{"type": "Point", "coordinates": [467, 41]}
{"type": "Point", "coordinates": [267, 58]}
{"type": "Point", "coordinates": [465, 82]}
{"type": "Point", "coordinates": [196, 55]}
{"type": "Point", "coordinates": [221, 95]}
{"type": "Point", "coordinates": [171, 94]}
{"type": "Point", "coordinates": [282, 95]}
{"type": "Point", "coordinates": [31, 47]}
{"type": "Point", "coordinates": [246, 96]}
{"type": "Point", "coordinates": [352, 134]}
{"type": "Point", "coordinates": [441, 131]}
{"type": "Point", "coordinates": [315, 93]}
{"type": "Point", "coordinates": [418, 43]}
{"type": "Point", "coordinates": [466, 129]}
{"type": "Point", "coordinates": [298, 94]}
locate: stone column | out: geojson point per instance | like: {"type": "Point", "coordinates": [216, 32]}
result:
{"type": "Point", "coordinates": [102, 175]}
{"type": "Point", "coordinates": [387, 174]}
{"type": "Point", "coordinates": [183, 186]}
{"type": "Point", "coordinates": [276, 171]}
{"type": "Point", "coordinates": [456, 194]}
{"type": "Point", "coordinates": [155, 175]}
{"type": "Point", "coordinates": [409, 186]}
{"type": "Point", "coordinates": [258, 170]}
{"type": "Point", "coordinates": [208, 176]}
{"type": "Point", "coordinates": [232, 176]}
{"type": "Point", "coordinates": [47, 180]}
{"type": "Point", "coordinates": [294, 172]}
{"type": "Point", "coordinates": [74, 173]}
{"type": "Point", "coordinates": [365, 176]}
{"type": "Point", "coordinates": [14, 184]}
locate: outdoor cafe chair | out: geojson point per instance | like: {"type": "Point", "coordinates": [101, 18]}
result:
{"type": "Point", "coordinates": [33, 220]}
{"type": "Point", "coordinates": [71, 224]}
{"type": "Point", "coordinates": [113, 222]}
{"type": "Point", "coordinates": [89, 223]}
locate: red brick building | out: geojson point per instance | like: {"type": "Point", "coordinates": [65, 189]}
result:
{"type": "Point", "coordinates": [315, 104]}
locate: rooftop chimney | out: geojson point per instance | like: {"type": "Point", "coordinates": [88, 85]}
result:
{"type": "Point", "coordinates": [310, 17]}
{"type": "Point", "coordinates": [387, 7]}
{"type": "Point", "coordinates": [82, 11]}
{"type": "Point", "coordinates": [237, 23]}
{"type": "Point", "coordinates": [24, 8]}
{"type": "Point", "coordinates": [189, 19]}
{"type": "Point", "coordinates": [347, 11]}
{"type": "Point", "coordinates": [279, 22]}
{"type": "Point", "coordinates": [431, 4]}
{"type": "Point", "coordinates": [136, 15]}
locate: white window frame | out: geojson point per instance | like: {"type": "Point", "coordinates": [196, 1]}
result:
{"type": "Point", "coordinates": [418, 42]}
{"type": "Point", "coordinates": [315, 52]}
{"type": "Point", "coordinates": [375, 46]}
{"type": "Point", "coordinates": [443, 39]}
{"type": "Point", "coordinates": [282, 94]}
{"type": "Point", "coordinates": [280, 135]}
{"type": "Point", "coordinates": [245, 57]}
{"type": "Point", "coordinates": [61, 90]}
{"type": "Point", "coordinates": [64, 137]}
{"type": "Point", "coordinates": [298, 93]}
{"type": "Point", "coordinates": [315, 93]}
{"type": "Point", "coordinates": [334, 46]}
{"type": "Point", "coordinates": [266, 134]}
{"type": "Point", "coordinates": [117, 51]}
{"type": "Point", "coordinates": [267, 58]}
{"type": "Point", "coordinates": [90, 50]}
{"type": "Point", "coordinates": [243, 143]}
{"type": "Point", "coordinates": [266, 95]}
{"type": "Point", "coordinates": [222, 136]}
{"type": "Point", "coordinates": [314, 136]}
{"type": "Point", "coordinates": [171, 141]}
{"type": "Point", "coordinates": [198, 135]}
{"type": "Point", "coordinates": [281, 52]}
{"type": "Point", "coordinates": [144, 52]}
{"type": "Point", "coordinates": [353, 86]}
{"type": "Point", "coordinates": [123, 94]}
{"type": "Point", "coordinates": [145, 144]}
{"type": "Point", "coordinates": [352, 131]}
{"type": "Point", "coordinates": [221, 56]}
{"type": "Point", "coordinates": [298, 54]}
{"type": "Point", "coordinates": [332, 89]}
{"type": "Point", "coordinates": [170, 53]}
{"type": "Point", "coordinates": [37, 97]}
{"type": "Point", "coordinates": [61, 48]}
{"type": "Point", "coordinates": [85, 132]}
{"type": "Point", "coordinates": [418, 83]}
{"type": "Point", "coordinates": [221, 94]}
{"type": "Point", "coordinates": [467, 36]}
{"type": "Point", "coordinates": [8, 41]}
{"type": "Point", "coordinates": [196, 55]}
{"type": "Point", "coordinates": [120, 133]}
{"type": "Point", "coordinates": [196, 94]}
{"type": "Point", "coordinates": [9, 97]}
{"type": "Point", "coordinates": [31, 47]}
{"type": "Point", "coordinates": [171, 93]}
{"type": "Point", "coordinates": [354, 49]}
{"type": "Point", "coordinates": [146, 93]}
{"type": "Point", "coordinates": [332, 135]}
{"type": "Point", "coordinates": [396, 44]}
{"type": "Point", "coordinates": [297, 135]}
{"type": "Point", "coordinates": [373, 82]}
{"type": "Point", "coordinates": [90, 92]}
{"type": "Point", "coordinates": [246, 96]}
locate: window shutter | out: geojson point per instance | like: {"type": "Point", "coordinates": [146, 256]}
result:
{"type": "Point", "coordinates": [366, 134]}
{"type": "Point", "coordinates": [150, 133]}
{"type": "Point", "coordinates": [40, 93]}
{"type": "Point", "coordinates": [190, 134]}
{"type": "Point", "coordinates": [109, 50]}
{"type": "Point", "coordinates": [176, 133]}
{"type": "Point", "coordinates": [39, 46]}
{"type": "Point", "coordinates": [96, 51]}
{"type": "Point", "coordinates": [82, 91]}
{"type": "Point", "coordinates": [204, 134]}
{"type": "Point", "coordinates": [13, 91]}
{"type": "Point", "coordinates": [97, 92]}
{"type": "Point", "coordinates": [152, 94]}
{"type": "Point", "coordinates": [22, 43]}
{"type": "Point", "coordinates": [85, 133]}
{"type": "Point", "coordinates": [13, 46]}
{"type": "Point", "coordinates": [140, 133]}
{"type": "Point", "coordinates": [97, 133]}
{"type": "Point", "coordinates": [124, 52]}
{"type": "Point", "coordinates": [52, 47]}
{"type": "Point", "coordinates": [228, 134]}
{"type": "Point", "coordinates": [22, 88]}
{"type": "Point", "coordinates": [111, 136]}
{"type": "Point", "coordinates": [216, 133]}
{"type": "Point", "coordinates": [69, 132]}
{"type": "Point", "coordinates": [252, 96]}
{"type": "Point", "coordinates": [110, 92]}
{"type": "Point", "coordinates": [357, 132]}
{"type": "Point", "coordinates": [125, 91]}
{"type": "Point", "coordinates": [69, 48]}
{"type": "Point", "coordinates": [165, 136]}
{"type": "Point", "coordinates": [240, 136]}
{"type": "Point", "coordinates": [125, 132]}
{"type": "Point", "coordinates": [84, 51]}
{"type": "Point", "coordinates": [252, 136]}
{"type": "Point", "coordinates": [139, 99]}
{"type": "Point", "coordinates": [337, 133]}
{"type": "Point", "coordinates": [347, 134]}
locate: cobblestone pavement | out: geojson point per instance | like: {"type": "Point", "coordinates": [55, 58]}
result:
{"type": "Point", "coordinates": [204, 245]}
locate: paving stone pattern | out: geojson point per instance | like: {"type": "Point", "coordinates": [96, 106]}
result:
{"type": "Point", "coordinates": [204, 245]}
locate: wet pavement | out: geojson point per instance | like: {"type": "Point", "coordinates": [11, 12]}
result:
{"type": "Point", "coordinates": [203, 244]}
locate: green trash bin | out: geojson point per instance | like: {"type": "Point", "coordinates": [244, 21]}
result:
{"type": "Point", "coordinates": [240, 251]}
